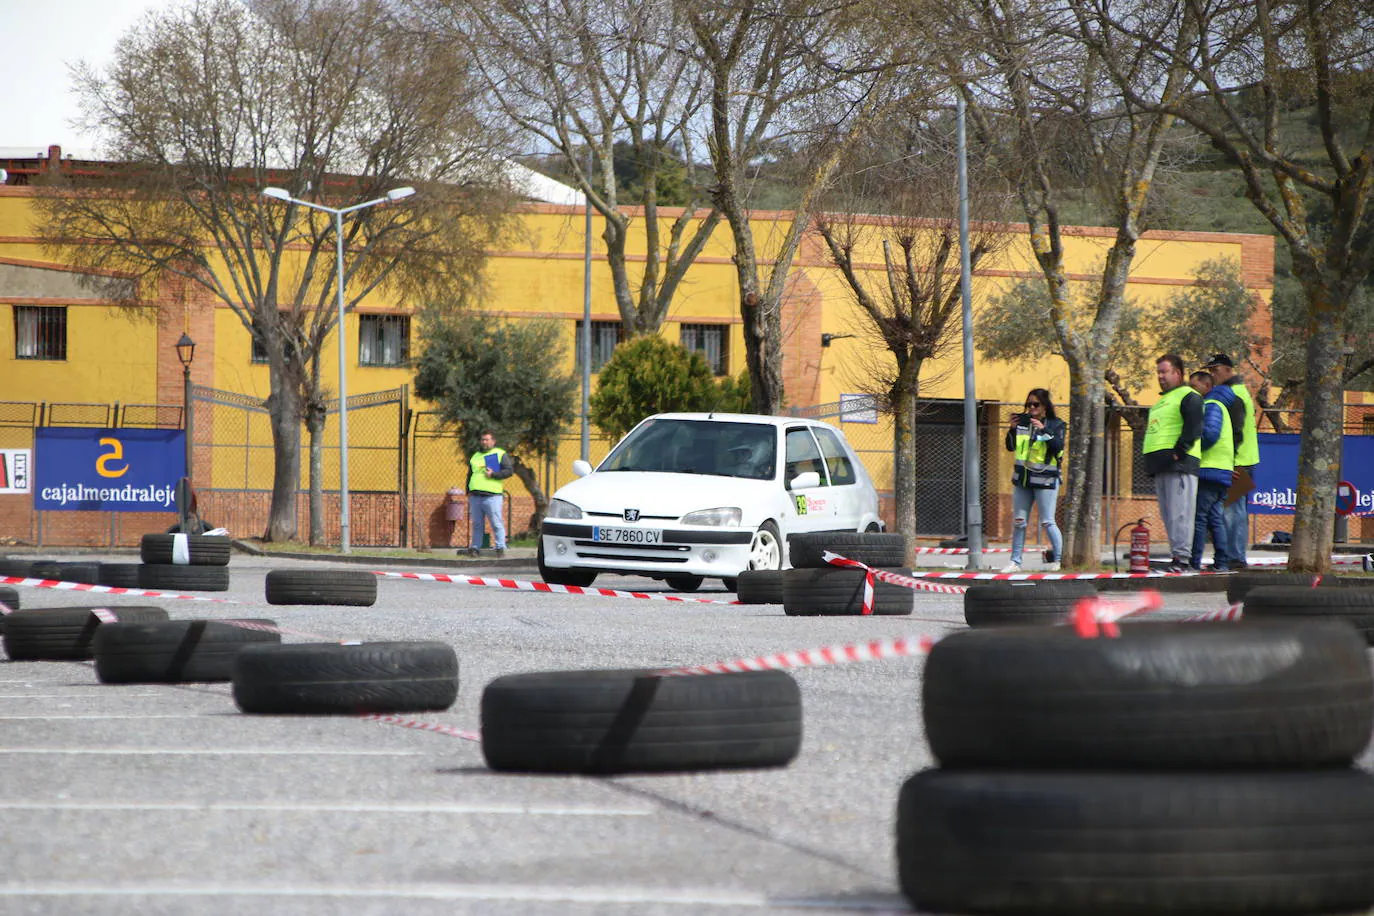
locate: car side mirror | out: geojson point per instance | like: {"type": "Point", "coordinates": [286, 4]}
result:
{"type": "Point", "coordinates": [806, 481]}
{"type": "Point", "coordinates": [581, 468]}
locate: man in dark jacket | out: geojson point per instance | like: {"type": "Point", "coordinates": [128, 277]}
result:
{"type": "Point", "coordinates": [1231, 391]}
{"type": "Point", "coordinates": [1173, 453]}
{"type": "Point", "coordinates": [1214, 474]}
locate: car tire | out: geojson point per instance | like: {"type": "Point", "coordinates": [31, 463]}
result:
{"type": "Point", "coordinates": [684, 583]}
{"type": "Point", "coordinates": [120, 575]}
{"type": "Point", "coordinates": [341, 587]}
{"type": "Point", "coordinates": [806, 550]}
{"type": "Point", "coordinates": [172, 651]}
{"type": "Point", "coordinates": [765, 549]}
{"type": "Point", "coordinates": [83, 572]}
{"type": "Point", "coordinates": [582, 578]}
{"type": "Point", "coordinates": [184, 578]}
{"type": "Point", "coordinates": [1353, 605]}
{"type": "Point", "coordinates": [833, 591]}
{"type": "Point", "coordinates": [1240, 584]}
{"type": "Point", "coordinates": [64, 633]}
{"type": "Point", "coordinates": [1161, 696]}
{"type": "Point", "coordinates": [1036, 602]}
{"type": "Point", "coordinates": [201, 549]}
{"type": "Point", "coordinates": [760, 586]}
{"type": "Point", "coordinates": [9, 597]}
{"type": "Point", "coordinates": [637, 721]}
{"type": "Point", "coordinates": [329, 679]}
{"type": "Point", "coordinates": [1081, 842]}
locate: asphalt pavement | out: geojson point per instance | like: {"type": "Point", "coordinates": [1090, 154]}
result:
{"type": "Point", "coordinates": [165, 799]}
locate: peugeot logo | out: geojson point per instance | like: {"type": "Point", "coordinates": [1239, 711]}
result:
{"type": "Point", "coordinates": [631, 515]}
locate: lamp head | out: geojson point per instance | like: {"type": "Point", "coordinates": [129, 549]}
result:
{"type": "Point", "coordinates": [396, 193]}
{"type": "Point", "coordinates": [278, 193]}
{"type": "Point", "coordinates": [186, 350]}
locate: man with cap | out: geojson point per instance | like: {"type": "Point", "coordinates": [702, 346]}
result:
{"type": "Point", "coordinates": [1231, 391]}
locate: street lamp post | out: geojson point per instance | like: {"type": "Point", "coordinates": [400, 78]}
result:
{"type": "Point", "coordinates": [186, 351]}
{"type": "Point", "coordinates": [395, 194]}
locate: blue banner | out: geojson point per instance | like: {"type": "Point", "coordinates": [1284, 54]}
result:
{"type": "Point", "coordinates": [1276, 478]}
{"type": "Point", "coordinates": [107, 470]}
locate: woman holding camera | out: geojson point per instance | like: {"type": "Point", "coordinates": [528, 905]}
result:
{"type": "Point", "coordinates": [1037, 438]}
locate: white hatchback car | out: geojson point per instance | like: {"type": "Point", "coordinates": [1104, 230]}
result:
{"type": "Point", "coordinates": [687, 496]}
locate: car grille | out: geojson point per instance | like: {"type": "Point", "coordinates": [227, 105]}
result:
{"type": "Point", "coordinates": [658, 553]}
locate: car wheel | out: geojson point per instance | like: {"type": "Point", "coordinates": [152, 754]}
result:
{"type": "Point", "coordinates": [684, 583]}
{"type": "Point", "coordinates": [579, 577]}
{"type": "Point", "coordinates": [731, 584]}
{"type": "Point", "coordinates": [765, 551]}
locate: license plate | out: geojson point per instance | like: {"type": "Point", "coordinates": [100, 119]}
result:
{"type": "Point", "coordinates": [627, 535]}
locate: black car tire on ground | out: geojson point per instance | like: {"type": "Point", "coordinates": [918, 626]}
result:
{"type": "Point", "coordinates": [201, 549]}
{"type": "Point", "coordinates": [1240, 584]}
{"type": "Point", "coordinates": [760, 586]}
{"type": "Point", "coordinates": [184, 578]}
{"type": "Point", "coordinates": [1068, 843]}
{"type": "Point", "coordinates": [66, 571]}
{"type": "Point", "coordinates": [583, 578]}
{"type": "Point", "coordinates": [834, 591]}
{"type": "Point", "coordinates": [9, 597]}
{"type": "Point", "coordinates": [330, 679]}
{"type": "Point", "coordinates": [21, 568]}
{"type": "Point", "coordinates": [172, 651]}
{"type": "Point", "coordinates": [120, 575]}
{"type": "Point", "coordinates": [635, 721]}
{"type": "Point", "coordinates": [684, 583]}
{"type": "Point", "coordinates": [63, 634]}
{"type": "Point", "coordinates": [1036, 601]}
{"type": "Point", "coordinates": [348, 587]}
{"type": "Point", "coordinates": [1353, 605]}
{"type": "Point", "coordinates": [883, 549]}
{"type": "Point", "coordinates": [1163, 696]}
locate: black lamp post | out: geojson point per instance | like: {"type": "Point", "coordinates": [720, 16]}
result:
{"type": "Point", "coordinates": [186, 351]}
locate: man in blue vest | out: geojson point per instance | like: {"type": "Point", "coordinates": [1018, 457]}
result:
{"type": "Point", "coordinates": [488, 469]}
{"type": "Point", "coordinates": [1173, 453]}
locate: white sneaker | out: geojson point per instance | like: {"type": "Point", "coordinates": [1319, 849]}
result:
{"type": "Point", "coordinates": [1012, 568]}
{"type": "Point", "coordinates": [1051, 567]}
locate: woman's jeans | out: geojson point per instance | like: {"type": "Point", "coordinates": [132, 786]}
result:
{"type": "Point", "coordinates": [1045, 502]}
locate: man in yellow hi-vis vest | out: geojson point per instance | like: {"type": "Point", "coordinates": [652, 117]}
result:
{"type": "Point", "coordinates": [488, 468]}
{"type": "Point", "coordinates": [1214, 474]}
{"type": "Point", "coordinates": [1173, 454]}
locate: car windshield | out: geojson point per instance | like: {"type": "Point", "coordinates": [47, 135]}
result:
{"type": "Point", "coordinates": [698, 447]}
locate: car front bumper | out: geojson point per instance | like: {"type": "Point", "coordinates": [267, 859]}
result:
{"type": "Point", "coordinates": [711, 552]}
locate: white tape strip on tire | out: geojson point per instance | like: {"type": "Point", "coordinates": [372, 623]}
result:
{"type": "Point", "coordinates": [181, 550]}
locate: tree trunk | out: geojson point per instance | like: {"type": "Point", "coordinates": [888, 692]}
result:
{"type": "Point", "coordinates": [314, 425]}
{"type": "Point", "coordinates": [284, 416]}
{"type": "Point", "coordinates": [1082, 487]}
{"type": "Point", "coordinates": [905, 394]}
{"type": "Point", "coordinates": [531, 482]}
{"type": "Point", "coordinates": [1319, 455]}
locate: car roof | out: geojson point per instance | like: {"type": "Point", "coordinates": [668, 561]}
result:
{"type": "Point", "coordinates": [769, 419]}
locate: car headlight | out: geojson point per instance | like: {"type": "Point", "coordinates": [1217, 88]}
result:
{"type": "Point", "coordinates": [728, 515]}
{"type": "Point", "coordinates": [561, 508]}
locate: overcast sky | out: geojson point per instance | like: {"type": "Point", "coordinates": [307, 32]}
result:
{"type": "Point", "coordinates": [37, 43]}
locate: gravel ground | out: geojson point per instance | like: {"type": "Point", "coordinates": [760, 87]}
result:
{"type": "Point", "coordinates": [165, 799]}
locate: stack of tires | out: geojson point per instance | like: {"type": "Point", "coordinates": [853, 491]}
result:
{"type": "Point", "coordinates": [175, 562]}
{"type": "Point", "coordinates": [1180, 768]}
{"type": "Point", "coordinates": [59, 570]}
{"type": "Point", "coordinates": [1032, 602]}
{"type": "Point", "coordinates": [814, 588]}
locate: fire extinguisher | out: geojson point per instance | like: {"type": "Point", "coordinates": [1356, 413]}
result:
{"type": "Point", "coordinates": [1140, 547]}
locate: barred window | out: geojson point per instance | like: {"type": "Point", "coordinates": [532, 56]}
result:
{"type": "Point", "coordinates": [710, 341]}
{"type": "Point", "coordinates": [383, 340]}
{"type": "Point", "coordinates": [40, 332]}
{"type": "Point", "coordinates": [605, 336]}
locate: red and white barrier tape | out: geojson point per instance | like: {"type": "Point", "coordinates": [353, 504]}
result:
{"type": "Point", "coordinates": [1342, 559]}
{"type": "Point", "coordinates": [105, 615]}
{"type": "Point", "coordinates": [62, 585]}
{"type": "Point", "coordinates": [871, 573]}
{"type": "Point", "coordinates": [525, 586]}
{"type": "Point", "coordinates": [1093, 617]}
{"type": "Point", "coordinates": [959, 550]}
{"type": "Point", "coordinates": [1232, 613]}
{"type": "Point", "coordinates": [435, 727]}
{"type": "Point", "coordinates": [878, 650]}
{"type": "Point", "coordinates": [1023, 577]}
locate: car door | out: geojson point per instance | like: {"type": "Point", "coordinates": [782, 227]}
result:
{"type": "Point", "coordinates": [809, 509]}
{"type": "Point", "coordinates": [846, 491]}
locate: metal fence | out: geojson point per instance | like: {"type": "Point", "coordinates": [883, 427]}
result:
{"type": "Point", "coordinates": [402, 463]}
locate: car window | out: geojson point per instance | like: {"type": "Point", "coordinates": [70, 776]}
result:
{"type": "Point", "coordinates": [710, 447]}
{"type": "Point", "coordinates": [803, 455]}
{"type": "Point", "coordinates": [836, 461]}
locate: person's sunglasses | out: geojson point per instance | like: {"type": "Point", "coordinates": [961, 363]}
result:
{"type": "Point", "coordinates": [1032, 403]}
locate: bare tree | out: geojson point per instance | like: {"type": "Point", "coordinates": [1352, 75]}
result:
{"type": "Point", "coordinates": [1040, 102]}
{"type": "Point", "coordinates": [802, 74]}
{"type": "Point", "coordinates": [597, 80]}
{"type": "Point", "coordinates": [1257, 64]}
{"type": "Point", "coordinates": [902, 270]}
{"type": "Point", "coordinates": [210, 103]}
